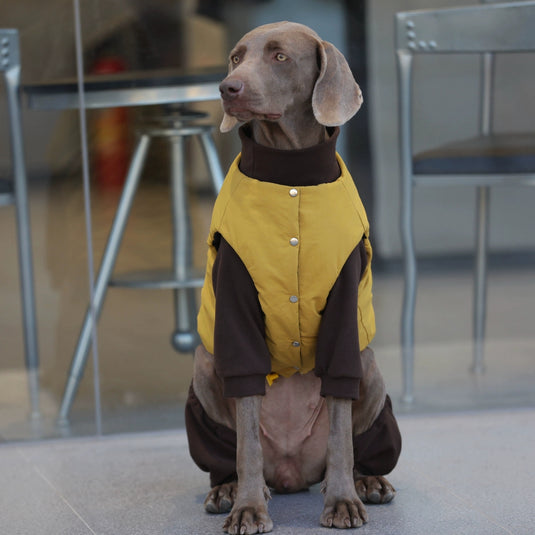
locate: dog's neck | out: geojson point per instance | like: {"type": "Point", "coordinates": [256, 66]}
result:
{"type": "Point", "coordinates": [309, 166]}
{"type": "Point", "coordinates": [293, 134]}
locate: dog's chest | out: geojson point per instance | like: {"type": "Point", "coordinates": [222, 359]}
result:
{"type": "Point", "coordinates": [292, 412]}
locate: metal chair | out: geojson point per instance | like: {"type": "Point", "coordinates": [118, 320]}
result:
{"type": "Point", "coordinates": [487, 160]}
{"type": "Point", "coordinates": [175, 128]}
{"type": "Point", "coordinates": [14, 191]}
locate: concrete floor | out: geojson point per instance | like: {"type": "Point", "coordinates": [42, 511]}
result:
{"type": "Point", "coordinates": [468, 440]}
{"type": "Point", "coordinates": [463, 473]}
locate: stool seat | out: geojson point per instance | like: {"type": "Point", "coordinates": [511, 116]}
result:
{"type": "Point", "coordinates": [492, 154]}
{"type": "Point", "coordinates": [157, 280]}
{"type": "Point", "coordinates": [7, 192]}
{"type": "Point", "coordinates": [177, 130]}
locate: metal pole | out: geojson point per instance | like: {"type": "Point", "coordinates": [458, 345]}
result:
{"type": "Point", "coordinates": [12, 76]}
{"type": "Point", "coordinates": [480, 278]}
{"type": "Point", "coordinates": [184, 338]}
{"type": "Point", "coordinates": [406, 224]}
{"type": "Point", "coordinates": [106, 268]}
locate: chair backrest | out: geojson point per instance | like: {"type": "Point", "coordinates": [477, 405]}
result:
{"type": "Point", "coordinates": [10, 68]}
{"type": "Point", "coordinates": [485, 29]}
{"type": "Point", "coordinates": [9, 49]}
{"type": "Point", "coordinates": [487, 84]}
{"type": "Point", "coordinates": [504, 27]}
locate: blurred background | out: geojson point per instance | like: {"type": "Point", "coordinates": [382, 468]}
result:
{"type": "Point", "coordinates": [142, 380]}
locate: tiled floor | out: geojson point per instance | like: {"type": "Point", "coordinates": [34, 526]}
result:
{"type": "Point", "coordinates": [463, 473]}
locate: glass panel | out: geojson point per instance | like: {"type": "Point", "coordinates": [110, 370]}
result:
{"type": "Point", "coordinates": [52, 149]}
{"type": "Point", "coordinates": [144, 380]}
{"type": "Point", "coordinates": [140, 52]}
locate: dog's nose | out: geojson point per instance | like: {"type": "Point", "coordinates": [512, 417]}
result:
{"type": "Point", "coordinates": [231, 88]}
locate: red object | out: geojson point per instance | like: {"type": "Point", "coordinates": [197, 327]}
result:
{"type": "Point", "coordinates": [111, 135]}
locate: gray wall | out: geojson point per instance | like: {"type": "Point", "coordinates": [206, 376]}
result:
{"type": "Point", "coordinates": [444, 217]}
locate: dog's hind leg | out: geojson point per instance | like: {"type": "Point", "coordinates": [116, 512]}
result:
{"type": "Point", "coordinates": [211, 428]}
{"type": "Point", "coordinates": [376, 436]}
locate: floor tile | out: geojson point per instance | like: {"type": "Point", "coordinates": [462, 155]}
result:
{"type": "Point", "coordinates": [459, 473]}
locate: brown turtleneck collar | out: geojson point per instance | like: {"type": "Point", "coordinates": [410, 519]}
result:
{"type": "Point", "coordinates": [302, 167]}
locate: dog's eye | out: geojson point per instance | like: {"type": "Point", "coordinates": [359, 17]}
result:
{"type": "Point", "coordinates": [235, 59]}
{"type": "Point", "coordinates": [281, 57]}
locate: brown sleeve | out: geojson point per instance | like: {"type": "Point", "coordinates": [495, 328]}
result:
{"type": "Point", "coordinates": [241, 354]}
{"type": "Point", "coordinates": [337, 352]}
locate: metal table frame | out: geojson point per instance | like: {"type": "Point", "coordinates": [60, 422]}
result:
{"type": "Point", "coordinates": [144, 88]}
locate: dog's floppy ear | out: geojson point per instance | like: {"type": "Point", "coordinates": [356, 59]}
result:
{"type": "Point", "coordinates": [336, 97]}
{"type": "Point", "coordinates": [228, 123]}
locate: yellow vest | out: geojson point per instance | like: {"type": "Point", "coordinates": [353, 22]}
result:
{"type": "Point", "coordinates": [294, 243]}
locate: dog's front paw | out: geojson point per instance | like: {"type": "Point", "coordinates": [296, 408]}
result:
{"type": "Point", "coordinates": [344, 513]}
{"type": "Point", "coordinates": [248, 519]}
{"type": "Point", "coordinates": [221, 498]}
{"type": "Point", "coordinates": [374, 489]}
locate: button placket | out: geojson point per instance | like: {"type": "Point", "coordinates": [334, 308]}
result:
{"type": "Point", "coordinates": [293, 192]}
{"type": "Point", "coordinates": [294, 242]}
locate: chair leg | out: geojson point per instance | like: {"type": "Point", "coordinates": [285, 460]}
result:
{"type": "Point", "coordinates": [480, 277]}
{"type": "Point", "coordinates": [79, 359]}
{"type": "Point", "coordinates": [24, 244]}
{"type": "Point", "coordinates": [184, 338]}
{"type": "Point", "coordinates": [404, 64]}
{"type": "Point", "coordinates": [409, 303]}
{"type": "Point", "coordinates": [210, 153]}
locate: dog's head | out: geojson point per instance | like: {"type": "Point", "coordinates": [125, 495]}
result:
{"type": "Point", "coordinates": [283, 68]}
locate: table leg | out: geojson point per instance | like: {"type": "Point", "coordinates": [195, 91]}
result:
{"type": "Point", "coordinates": [184, 338]}
{"type": "Point", "coordinates": [109, 257]}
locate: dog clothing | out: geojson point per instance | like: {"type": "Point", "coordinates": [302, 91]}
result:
{"type": "Point", "coordinates": [294, 241]}
{"type": "Point", "coordinates": [236, 329]}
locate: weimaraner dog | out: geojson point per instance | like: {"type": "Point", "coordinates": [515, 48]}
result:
{"type": "Point", "coordinates": [291, 91]}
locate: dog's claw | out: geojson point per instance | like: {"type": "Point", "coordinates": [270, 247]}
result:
{"type": "Point", "coordinates": [344, 514]}
{"type": "Point", "coordinates": [247, 521]}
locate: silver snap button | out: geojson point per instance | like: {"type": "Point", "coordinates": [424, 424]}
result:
{"type": "Point", "coordinates": [294, 299]}
{"type": "Point", "coordinates": [296, 344]}
{"type": "Point", "coordinates": [294, 242]}
{"type": "Point", "coordinates": [293, 192]}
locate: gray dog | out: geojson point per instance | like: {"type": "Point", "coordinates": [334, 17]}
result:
{"type": "Point", "coordinates": [286, 392]}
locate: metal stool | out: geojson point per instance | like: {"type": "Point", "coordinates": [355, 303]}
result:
{"type": "Point", "coordinates": [15, 192]}
{"type": "Point", "coordinates": [176, 128]}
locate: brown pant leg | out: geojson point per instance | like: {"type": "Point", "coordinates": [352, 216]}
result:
{"type": "Point", "coordinates": [377, 450]}
{"type": "Point", "coordinates": [212, 446]}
